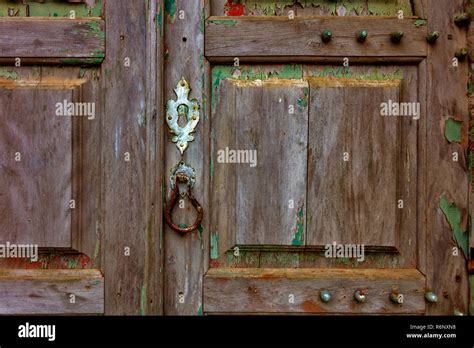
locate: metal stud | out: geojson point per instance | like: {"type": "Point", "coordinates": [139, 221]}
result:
{"type": "Point", "coordinates": [396, 297]}
{"type": "Point", "coordinates": [326, 36]}
{"type": "Point", "coordinates": [462, 20]}
{"type": "Point", "coordinates": [325, 296]}
{"type": "Point", "coordinates": [431, 297]}
{"type": "Point", "coordinates": [359, 296]}
{"type": "Point", "coordinates": [461, 53]}
{"type": "Point", "coordinates": [397, 36]}
{"type": "Point", "coordinates": [362, 35]}
{"type": "Point", "coordinates": [432, 37]}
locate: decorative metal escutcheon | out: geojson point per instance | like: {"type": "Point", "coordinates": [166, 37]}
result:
{"type": "Point", "coordinates": [185, 175]}
{"type": "Point", "coordinates": [182, 108]}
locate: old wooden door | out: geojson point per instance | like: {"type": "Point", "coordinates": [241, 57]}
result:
{"type": "Point", "coordinates": [296, 155]}
{"type": "Point", "coordinates": [81, 187]}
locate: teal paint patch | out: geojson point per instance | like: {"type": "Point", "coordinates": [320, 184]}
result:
{"type": "Point", "coordinates": [170, 9]}
{"type": "Point", "coordinates": [303, 101]}
{"type": "Point", "coordinates": [9, 74]}
{"type": "Point", "coordinates": [200, 311]}
{"type": "Point", "coordinates": [452, 130]}
{"type": "Point", "coordinates": [142, 300]}
{"type": "Point", "coordinates": [214, 245]}
{"type": "Point", "coordinates": [420, 22]}
{"type": "Point", "coordinates": [299, 229]}
{"type": "Point", "coordinates": [453, 216]}
{"type": "Point", "coordinates": [230, 22]}
{"type": "Point", "coordinates": [159, 20]}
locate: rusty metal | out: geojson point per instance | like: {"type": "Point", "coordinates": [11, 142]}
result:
{"type": "Point", "coordinates": [182, 174]}
{"type": "Point", "coordinates": [359, 296]}
{"type": "Point", "coordinates": [182, 107]}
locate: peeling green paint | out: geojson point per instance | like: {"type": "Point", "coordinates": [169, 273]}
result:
{"type": "Point", "coordinates": [142, 300]}
{"type": "Point", "coordinates": [52, 8]}
{"type": "Point", "coordinates": [453, 216]}
{"type": "Point", "coordinates": [96, 30]}
{"type": "Point", "coordinates": [345, 72]}
{"type": "Point", "coordinates": [420, 22]}
{"type": "Point", "coordinates": [170, 9]}
{"type": "Point", "coordinates": [303, 101]}
{"type": "Point", "coordinates": [222, 72]}
{"type": "Point", "coordinates": [83, 61]}
{"type": "Point", "coordinates": [72, 263]}
{"type": "Point", "coordinates": [230, 22]}
{"type": "Point", "coordinates": [200, 311]}
{"type": "Point", "coordinates": [452, 130]}
{"type": "Point", "coordinates": [299, 229]}
{"type": "Point", "coordinates": [200, 230]}
{"type": "Point", "coordinates": [159, 20]}
{"type": "Point", "coordinates": [388, 8]}
{"type": "Point", "coordinates": [211, 168]}
{"type": "Point", "coordinates": [9, 74]}
{"type": "Point", "coordinates": [214, 245]}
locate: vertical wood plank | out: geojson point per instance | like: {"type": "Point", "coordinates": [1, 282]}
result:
{"type": "Point", "coordinates": [446, 273]}
{"type": "Point", "coordinates": [128, 127]}
{"type": "Point", "coordinates": [184, 255]}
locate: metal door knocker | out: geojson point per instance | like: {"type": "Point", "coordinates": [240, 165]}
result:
{"type": "Point", "coordinates": [182, 174]}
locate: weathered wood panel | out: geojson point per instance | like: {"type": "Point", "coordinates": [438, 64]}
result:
{"type": "Point", "coordinates": [131, 254]}
{"type": "Point", "coordinates": [357, 202]}
{"type": "Point", "coordinates": [446, 93]}
{"type": "Point", "coordinates": [49, 292]}
{"type": "Point", "coordinates": [270, 120]}
{"type": "Point", "coordinates": [184, 258]}
{"type": "Point", "coordinates": [300, 37]}
{"type": "Point", "coordinates": [274, 291]}
{"type": "Point", "coordinates": [36, 184]}
{"type": "Point", "coordinates": [66, 41]}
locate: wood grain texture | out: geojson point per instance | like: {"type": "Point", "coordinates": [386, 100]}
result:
{"type": "Point", "coordinates": [48, 292]}
{"type": "Point", "coordinates": [271, 196]}
{"type": "Point", "coordinates": [446, 95]}
{"type": "Point", "coordinates": [35, 191]}
{"type": "Point", "coordinates": [356, 203]}
{"type": "Point", "coordinates": [184, 258]}
{"type": "Point", "coordinates": [129, 194]}
{"type": "Point", "coordinates": [296, 38]}
{"type": "Point", "coordinates": [268, 291]}
{"type": "Point", "coordinates": [57, 40]}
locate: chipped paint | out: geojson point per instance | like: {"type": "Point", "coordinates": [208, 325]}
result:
{"type": "Point", "coordinates": [9, 74]}
{"type": "Point", "coordinates": [214, 236]}
{"type": "Point", "coordinates": [234, 8]}
{"type": "Point", "coordinates": [303, 101]}
{"type": "Point", "coordinates": [230, 22]}
{"type": "Point", "coordinates": [159, 20]}
{"type": "Point", "coordinates": [170, 9]}
{"type": "Point", "coordinates": [420, 22]}
{"type": "Point", "coordinates": [453, 216]}
{"type": "Point", "coordinates": [200, 310]}
{"type": "Point", "coordinates": [200, 230]}
{"type": "Point", "coordinates": [142, 300]}
{"type": "Point", "coordinates": [222, 72]}
{"type": "Point", "coordinates": [298, 230]}
{"type": "Point", "coordinates": [345, 72]}
{"type": "Point", "coordinates": [452, 130]}
{"type": "Point", "coordinates": [53, 9]}
{"type": "Point", "coordinates": [96, 249]}
{"type": "Point", "coordinates": [388, 8]}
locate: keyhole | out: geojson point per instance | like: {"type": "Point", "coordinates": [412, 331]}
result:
{"type": "Point", "coordinates": [183, 115]}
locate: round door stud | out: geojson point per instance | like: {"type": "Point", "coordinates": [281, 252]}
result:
{"type": "Point", "coordinates": [461, 53]}
{"type": "Point", "coordinates": [432, 37]}
{"type": "Point", "coordinates": [397, 36]}
{"type": "Point", "coordinates": [359, 296]}
{"type": "Point", "coordinates": [362, 35]}
{"type": "Point", "coordinates": [396, 297]}
{"type": "Point", "coordinates": [458, 313]}
{"type": "Point", "coordinates": [326, 36]}
{"type": "Point", "coordinates": [325, 296]}
{"type": "Point", "coordinates": [431, 297]}
{"type": "Point", "coordinates": [462, 20]}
